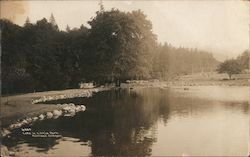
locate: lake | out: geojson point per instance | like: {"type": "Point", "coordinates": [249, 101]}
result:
{"type": "Point", "coordinates": [199, 121]}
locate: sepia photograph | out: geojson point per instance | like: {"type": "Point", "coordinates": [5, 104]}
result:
{"type": "Point", "coordinates": [125, 78]}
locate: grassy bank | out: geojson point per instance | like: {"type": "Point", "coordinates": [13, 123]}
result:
{"type": "Point", "coordinates": [214, 79]}
{"type": "Point", "coordinates": [18, 107]}
{"type": "Point", "coordinates": [23, 106]}
{"type": "Point", "coordinates": [205, 79]}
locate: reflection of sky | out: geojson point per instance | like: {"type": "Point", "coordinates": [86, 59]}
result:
{"type": "Point", "coordinates": [64, 147]}
{"type": "Point", "coordinates": [218, 132]}
{"type": "Point", "coordinates": [148, 122]}
{"type": "Point", "coordinates": [70, 147]}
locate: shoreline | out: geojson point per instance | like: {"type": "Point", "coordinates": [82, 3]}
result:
{"type": "Point", "coordinates": [20, 110]}
{"type": "Point", "coordinates": [24, 109]}
{"type": "Point", "coordinates": [19, 107]}
{"type": "Point", "coordinates": [187, 83]}
{"type": "Point", "coordinates": [25, 105]}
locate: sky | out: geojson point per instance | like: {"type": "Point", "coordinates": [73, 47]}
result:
{"type": "Point", "coordinates": [220, 27]}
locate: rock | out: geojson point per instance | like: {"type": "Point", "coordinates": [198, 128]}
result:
{"type": "Point", "coordinates": [71, 104]}
{"type": "Point", "coordinates": [41, 117]}
{"type": "Point", "coordinates": [72, 111]}
{"type": "Point", "coordinates": [11, 153]}
{"type": "Point", "coordinates": [24, 122]}
{"type": "Point", "coordinates": [50, 98]}
{"type": "Point", "coordinates": [12, 126]}
{"type": "Point", "coordinates": [4, 151]}
{"type": "Point", "coordinates": [16, 125]}
{"type": "Point", "coordinates": [29, 120]}
{"type": "Point", "coordinates": [49, 115]}
{"type": "Point", "coordinates": [83, 108]}
{"type": "Point", "coordinates": [57, 113]}
{"type": "Point", "coordinates": [66, 109]}
{"type": "Point", "coordinates": [35, 119]}
{"type": "Point", "coordinates": [78, 108]}
{"type": "Point", "coordinates": [5, 132]}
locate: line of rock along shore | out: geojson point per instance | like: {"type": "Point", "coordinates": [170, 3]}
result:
{"type": "Point", "coordinates": [68, 110]}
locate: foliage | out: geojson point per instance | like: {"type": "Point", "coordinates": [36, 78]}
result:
{"type": "Point", "coordinates": [121, 44]}
{"type": "Point", "coordinates": [170, 62]}
{"type": "Point", "coordinates": [117, 46]}
{"type": "Point", "coordinates": [38, 57]}
{"type": "Point", "coordinates": [244, 59]}
{"type": "Point", "coordinates": [230, 67]}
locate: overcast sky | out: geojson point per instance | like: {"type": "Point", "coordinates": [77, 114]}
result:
{"type": "Point", "coordinates": [221, 27]}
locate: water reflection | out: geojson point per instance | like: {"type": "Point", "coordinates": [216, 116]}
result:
{"type": "Point", "coordinates": [147, 121]}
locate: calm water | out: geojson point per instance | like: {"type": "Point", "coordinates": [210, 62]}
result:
{"type": "Point", "coordinates": [147, 121]}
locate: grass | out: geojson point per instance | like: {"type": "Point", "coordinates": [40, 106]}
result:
{"type": "Point", "coordinates": [20, 106]}
{"type": "Point", "coordinates": [216, 79]}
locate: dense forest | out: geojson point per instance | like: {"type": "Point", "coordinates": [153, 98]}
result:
{"type": "Point", "coordinates": [117, 46]}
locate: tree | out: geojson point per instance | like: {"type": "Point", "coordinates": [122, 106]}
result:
{"type": "Point", "coordinates": [53, 21]}
{"type": "Point", "coordinates": [120, 45]}
{"type": "Point", "coordinates": [244, 59]}
{"type": "Point", "coordinates": [169, 61]}
{"type": "Point", "coordinates": [27, 22]}
{"type": "Point", "coordinates": [15, 77]}
{"type": "Point", "coordinates": [101, 6]}
{"type": "Point", "coordinates": [38, 57]}
{"type": "Point", "coordinates": [67, 28]}
{"type": "Point", "coordinates": [230, 67]}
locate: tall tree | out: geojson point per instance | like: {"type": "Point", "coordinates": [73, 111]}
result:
{"type": "Point", "coordinates": [120, 44]}
{"type": "Point", "coordinates": [101, 6]}
{"type": "Point", "coordinates": [27, 22]}
{"type": "Point", "coordinates": [67, 28]}
{"type": "Point", "coordinates": [53, 21]}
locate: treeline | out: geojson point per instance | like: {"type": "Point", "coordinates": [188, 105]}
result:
{"type": "Point", "coordinates": [170, 62]}
{"type": "Point", "coordinates": [117, 46]}
{"type": "Point", "coordinates": [244, 60]}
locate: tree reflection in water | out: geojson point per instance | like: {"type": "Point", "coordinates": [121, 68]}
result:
{"type": "Point", "coordinates": [129, 122]}
{"type": "Point", "coordinates": [117, 122]}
